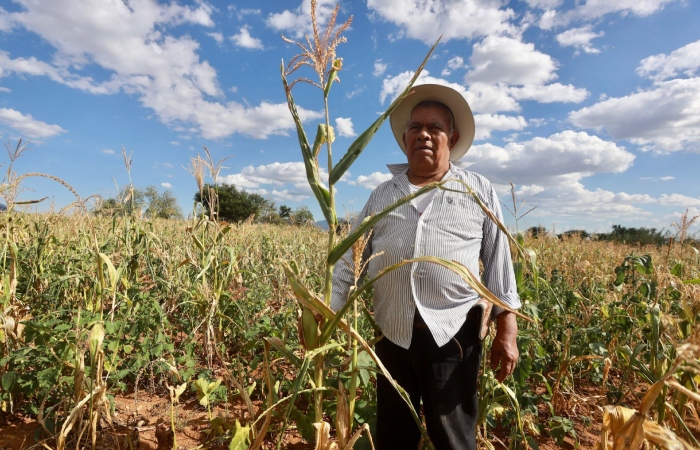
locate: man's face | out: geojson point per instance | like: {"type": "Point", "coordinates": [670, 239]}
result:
{"type": "Point", "coordinates": [428, 140]}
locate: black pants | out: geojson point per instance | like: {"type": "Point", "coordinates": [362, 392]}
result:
{"type": "Point", "coordinates": [445, 378]}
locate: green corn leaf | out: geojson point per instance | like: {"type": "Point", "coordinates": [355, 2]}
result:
{"type": "Point", "coordinates": [340, 249]}
{"type": "Point", "coordinates": [320, 192]}
{"type": "Point", "coordinates": [309, 327]}
{"type": "Point", "coordinates": [113, 277]}
{"type": "Point", "coordinates": [693, 281]}
{"type": "Point", "coordinates": [361, 142]}
{"type": "Point", "coordinates": [279, 346]}
{"type": "Point", "coordinates": [95, 339]}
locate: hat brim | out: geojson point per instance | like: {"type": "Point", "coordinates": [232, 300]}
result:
{"type": "Point", "coordinates": [464, 119]}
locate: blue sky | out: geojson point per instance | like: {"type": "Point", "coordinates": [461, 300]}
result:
{"type": "Point", "coordinates": [590, 108]}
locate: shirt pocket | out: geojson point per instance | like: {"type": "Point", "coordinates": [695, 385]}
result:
{"type": "Point", "coordinates": [460, 215]}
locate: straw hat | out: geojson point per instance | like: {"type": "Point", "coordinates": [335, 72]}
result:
{"type": "Point", "coordinates": [464, 119]}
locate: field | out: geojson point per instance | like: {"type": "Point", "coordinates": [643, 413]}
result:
{"type": "Point", "coordinates": [115, 330]}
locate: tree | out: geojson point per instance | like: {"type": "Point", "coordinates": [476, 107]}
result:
{"type": "Point", "coordinates": [302, 216]}
{"type": "Point", "coordinates": [285, 211]}
{"type": "Point", "coordinates": [232, 205]}
{"type": "Point", "coordinates": [163, 205]}
{"type": "Point", "coordinates": [132, 200]}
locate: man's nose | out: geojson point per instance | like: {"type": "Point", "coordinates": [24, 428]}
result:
{"type": "Point", "coordinates": [423, 134]}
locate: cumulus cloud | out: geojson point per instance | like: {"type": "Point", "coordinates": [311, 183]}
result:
{"type": "Point", "coordinates": [282, 181]}
{"type": "Point", "coordinates": [594, 9]}
{"type": "Point", "coordinates": [683, 61]}
{"type": "Point", "coordinates": [562, 158]}
{"type": "Point", "coordinates": [488, 123]}
{"type": "Point", "coordinates": [141, 58]}
{"type": "Point", "coordinates": [379, 68]}
{"type": "Point", "coordinates": [371, 181]}
{"type": "Point", "coordinates": [499, 59]}
{"type": "Point", "coordinates": [297, 23]}
{"type": "Point", "coordinates": [344, 127]}
{"type": "Point", "coordinates": [549, 93]}
{"type": "Point", "coordinates": [579, 38]}
{"type": "Point", "coordinates": [166, 185]}
{"type": "Point", "coordinates": [218, 37]}
{"type": "Point", "coordinates": [492, 98]}
{"type": "Point", "coordinates": [107, 151]}
{"type": "Point", "coordinates": [27, 126]}
{"type": "Point", "coordinates": [463, 19]}
{"type": "Point", "coordinates": [245, 40]}
{"type": "Point", "coordinates": [679, 200]}
{"type": "Point", "coordinates": [543, 4]}
{"type": "Point", "coordinates": [453, 64]}
{"type": "Point", "coordinates": [663, 118]}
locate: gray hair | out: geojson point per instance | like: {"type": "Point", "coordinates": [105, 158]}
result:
{"type": "Point", "coordinates": [435, 104]}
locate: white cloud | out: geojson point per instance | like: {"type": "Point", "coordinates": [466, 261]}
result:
{"type": "Point", "coordinates": [562, 158]}
{"type": "Point", "coordinates": [594, 9]}
{"type": "Point", "coordinates": [679, 200]}
{"type": "Point", "coordinates": [107, 151]}
{"type": "Point", "coordinates": [166, 185]}
{"type": "Point", "coordinates": [487, 123]}
{"type": "Point", "coordinates": [344, 127]}
{"type": "Point", "coordinates": [131, 43]}
{"type": "Point", "coordinates": [664, 118]}
{"type": "Point", "coordinates": [489, 98]}
{"type": "Point", "coordinates": [684, 61]}
{"type": "Point", "coordinates": [218, 37]}
{"type": "Point", "coordinates": [550, 93]}
{"type": "Point", "coordinates": [298, 23]}
{"type": "Point", "coordinates": [283, 181]}
{"type": "Point", "coordinates": [426, 21]}
{"type": "Point", "coordinates": [508, 60]}
{"type": "Point", "coordinates": [371, 181]}
{"type": "Point", "coordinates": [27, 126]}
{"type": "Point", "coordinates": [453, 64]}
{"type": "Point", "coordinates": [543, 4]}
{"type": "Point", "coordinates": [174, 143]}
{"type": "Point", "coordinates": [4, 89]}
{"type": "Point", "coordinates": [379, 68]}
{"type": "Point", "coordinates": [579, 38]}
{"type": "Point", "coordinates": [245, 40]}
{"type": "Point", "coordinates": [668, 178]}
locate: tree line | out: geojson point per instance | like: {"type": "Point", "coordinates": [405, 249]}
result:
{"type": "Point", "coordinates": [223, 201]}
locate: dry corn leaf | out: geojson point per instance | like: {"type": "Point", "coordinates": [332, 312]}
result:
{"type": "Point", "coordinates": [342, 418]}
{"type": "Point", "coordinates": [631, 435]}
{"type": "Point", "coordinates": [664, 437]}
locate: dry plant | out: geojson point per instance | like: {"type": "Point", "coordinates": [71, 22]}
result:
{"type": "Point", "coordinates": [319, 53]}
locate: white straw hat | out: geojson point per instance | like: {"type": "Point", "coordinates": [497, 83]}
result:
{"type": "Point", "coordinates": [464, 119]}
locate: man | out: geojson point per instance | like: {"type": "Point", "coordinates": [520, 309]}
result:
{"type": "Point", "coordinates": [431, 342]}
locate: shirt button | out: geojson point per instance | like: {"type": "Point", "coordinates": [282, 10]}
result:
{"type": "Point", "coordinates": [449, 199]}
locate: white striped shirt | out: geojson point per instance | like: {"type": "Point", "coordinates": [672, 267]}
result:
{"type": "Point", "coordinates": [452, 227]}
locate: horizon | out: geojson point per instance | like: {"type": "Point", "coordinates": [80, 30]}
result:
{"type": "Point", "coordinates": [591, 110]}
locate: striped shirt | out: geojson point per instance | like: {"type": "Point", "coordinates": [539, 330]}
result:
{"type": "Point", "coordinates": [452, 227]}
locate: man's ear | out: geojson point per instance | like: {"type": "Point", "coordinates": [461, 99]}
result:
{"type": "Point", "coordinates": [454, 138]}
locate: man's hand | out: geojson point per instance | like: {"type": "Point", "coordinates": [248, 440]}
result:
{"type": "Point", "coordinates": [504, 351]}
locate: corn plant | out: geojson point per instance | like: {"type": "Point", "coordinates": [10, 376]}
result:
{"type": "Point", "coordinates": [318, 321]}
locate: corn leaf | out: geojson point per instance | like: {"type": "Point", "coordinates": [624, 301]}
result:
{"type": "Point", "coordinates": [361, 142]}
{"type": "Point", "coordinates": [279, 346]}
{"type": "Point", "coordinates": [340, 249]}
{"type": "Point", "coordinates": [322, 194]}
